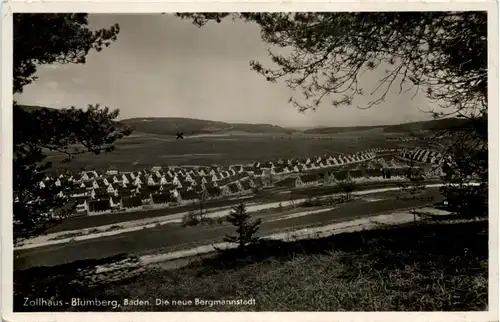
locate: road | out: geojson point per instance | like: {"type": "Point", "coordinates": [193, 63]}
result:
{"type": "Point", "coordinates": [173, 237]}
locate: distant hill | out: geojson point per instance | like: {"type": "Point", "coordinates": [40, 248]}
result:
{"type": "Point", "coordinates": [342, 129]}
{"type": "Point", "coordinates": [190, 126]}
{"type": "Point", "coordinates": [172, 125]}
{"type": "Point", "coordinates": [433, 125]}
{"type": "Point", "coordinates": [31, 108]}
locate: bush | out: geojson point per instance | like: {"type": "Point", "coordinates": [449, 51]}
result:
{"type": "Point", "coordinates": [347, 187]}
{"type": "Point", "coordinates": [190, 219]}
{"type": "Point", "coordinates": [468, 201]}
{"type": "Point", "coordinates": [312, 202]}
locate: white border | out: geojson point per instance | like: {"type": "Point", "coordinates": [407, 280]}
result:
{"type": "Point", "coordinates": [230, 6]}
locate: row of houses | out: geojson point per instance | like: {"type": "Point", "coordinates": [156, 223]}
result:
{"type": "Point", "coordinates": [422, 155]}
{"type": "Point", "coordinates": [148, 197]}
{"type": "Point", "coordinates": [182, 177]}
{"type": "Point", "coordinates": [95, 192]}
{"type": "Point", "coordinates": [369, 171]}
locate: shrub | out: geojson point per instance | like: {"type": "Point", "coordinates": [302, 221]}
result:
{"type": "Point", "coordinates": [220, 220]}
{"type": "Point", "coordinates": [347, 187]}
{"type": "Point", "coordinates": [190, 219]}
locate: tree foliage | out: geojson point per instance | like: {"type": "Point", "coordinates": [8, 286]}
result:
{"type": "Point", "coordinates": [246, 229]}
{"type": "Point", "coordinates": [466, 175]}
{"type": "Point", "coordinates": [442, 53]}
{"type": "Point", "coordinates": [347, 187]}
{"type": "Point", "coordinates": [321, 56]}
{"type": "Point", "coordinates": [413, 188]}
{"type": "Point", "coordinates": [46, 39]}
{"type": "Point", "coordinates": [41, 39]}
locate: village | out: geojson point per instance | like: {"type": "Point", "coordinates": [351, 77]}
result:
{"type": "Point", "coordinates": [101, 192]}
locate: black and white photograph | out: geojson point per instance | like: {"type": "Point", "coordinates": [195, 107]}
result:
{"type": "Point", "coordinates": [295, 161]}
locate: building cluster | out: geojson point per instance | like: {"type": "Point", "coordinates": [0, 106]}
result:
{"type": "Point", "coordinates": [421, 155]}
{"type": "Point", "coordinates": [96, 192]}
{"type": "Point", "coordinates": [375, 169]}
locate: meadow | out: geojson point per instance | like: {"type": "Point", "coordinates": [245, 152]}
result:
{"type": "Point", "coordinates": [143, 150]}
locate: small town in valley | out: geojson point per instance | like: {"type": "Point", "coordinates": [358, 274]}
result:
{"type": "Point", "coordinates": [251, 161]}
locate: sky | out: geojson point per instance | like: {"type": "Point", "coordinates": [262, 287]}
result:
{"type": "Point", "coordinates": [162, 66]}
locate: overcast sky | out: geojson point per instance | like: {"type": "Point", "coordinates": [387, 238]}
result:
{"type": "Point", "coordinates": [162, 66]}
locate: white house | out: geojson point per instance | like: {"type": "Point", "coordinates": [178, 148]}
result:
{"type": "Point", "coordinates": [151, 181]}
{"type": "Point", "coordinates": [137, 181]}
{"type": "Point", "coordinates": [82, 206]}
{"type": "Point", "coordinates": [306, 180]}
{"type": "Point", "coordinates": [110, 189]}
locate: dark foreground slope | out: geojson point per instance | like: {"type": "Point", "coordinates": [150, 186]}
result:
{"type": "Point", "coordinates": [427, 267]}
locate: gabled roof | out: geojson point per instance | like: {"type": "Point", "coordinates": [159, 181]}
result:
{"type": "Point", "coordinates": [131, 202]}
{"type": "Point", "coordinates": [78, 191]}
{"type": "Point", "coordinates": [189, 195]}
{"type": "Point", "coordinates": [257, 181]}
{"type": "Point", "coordinates": [245, 184]}
{"type": "Point", "coordinates": [213, 191]}
{"type": "Point", "coordinates": [374, 172]}
{"type": "Point", "coordinates": [224, 182]}
{"type": "Point", "coordinates": [99, 205]}
{"type": "Point", "coordinates": [123, 192]}
{"type": "Point", "coordinates": [286, 182]}
{"type": "Point", "coordinates": [357, 173]}
{"type": "Point", "coordinates": [79, 200]}
{"type": "Point", "coordinates": [341, 175]}
{"type": "Point", "coordinates": [161, 198]}
{"type": "Point", "coordinates": [309, 178]}
{"type": "Point", "coordinates": [115, 200]}
{"type": "Point", "coordinates": [101, 192]}
{"type": "Point", "coordinates": [233, 188]}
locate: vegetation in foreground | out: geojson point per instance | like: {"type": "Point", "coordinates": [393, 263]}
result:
{"type": "Point", "coordinates": [428, 267]}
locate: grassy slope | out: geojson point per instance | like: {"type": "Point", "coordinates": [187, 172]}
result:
{"type": "Point", "coordinates": [428, 267]}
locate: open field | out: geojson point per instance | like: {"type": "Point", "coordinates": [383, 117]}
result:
{"type": "Point", "coordinates": [141, 150]}
{"type": "Point", "coordinates": [427, 267]}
